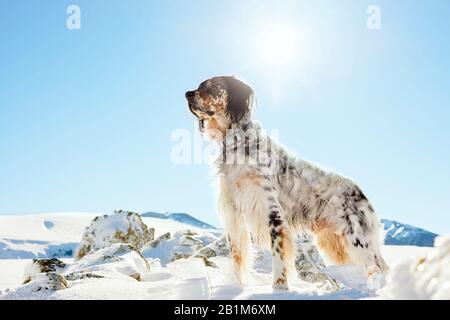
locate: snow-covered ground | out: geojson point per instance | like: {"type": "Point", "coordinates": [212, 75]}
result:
{"type": "Point", "coordinates": [46, 235]}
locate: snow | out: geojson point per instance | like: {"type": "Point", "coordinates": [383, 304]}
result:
{"type": "Point", "coordinates": [128, 275]}
{"type": "Point", "coordinates": [398, 231]}
{"type": "Point", "coordinates": [181, 280]}
{"type": "Point", "coordinates": [424, 278]}
{"type": "Point", "coordinates": [183, 242]}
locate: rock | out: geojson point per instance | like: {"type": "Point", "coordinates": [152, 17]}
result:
{"type": "Point", "coordinates": [158, 241]}
{"type": "Point", "coordinates": [50, 281]}
{"type": "Point", "coordinates": [81, 275]}
{"type": "Point", "coordinates": [38, 266]}
{"type": "Point", "coordinates": [207, 252]}
{"type": "Point", "coordinates": [208, 262]}
{"type": "Point", "coordinates": [184, 244]}
{"type": "Point", "coordinates": [309, 264]}
{"type": "Point", "coordinates": [120, 227]}
{"type": "Point", "coordinates": [118, 258]}
{"type": "Point", "coordinates": [114, 253]}
{"type": "Point", "coordinates": [136, 276]}
{"type": "Point", "coordinates": [218, 248]}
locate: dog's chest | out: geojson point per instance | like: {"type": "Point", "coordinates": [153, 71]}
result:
{"type": "Point", "coordinates": [247, 192]}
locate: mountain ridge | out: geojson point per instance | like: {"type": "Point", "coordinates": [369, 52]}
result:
{"type": "Point", "coordinates": [402, 234]}
{"type": "Point", "coordinates": [397, 233]}
{"type": "Point", "coordinates": [179, 217]}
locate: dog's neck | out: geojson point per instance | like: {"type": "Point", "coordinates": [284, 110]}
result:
{"type": "Point", "coordinates": [244, 133]}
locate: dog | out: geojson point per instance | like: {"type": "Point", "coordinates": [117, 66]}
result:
{"type": "Point", "coordinates": [268, 196]}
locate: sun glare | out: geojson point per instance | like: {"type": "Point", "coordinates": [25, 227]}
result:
{"type": "Point", "coordinates": [278, 45]}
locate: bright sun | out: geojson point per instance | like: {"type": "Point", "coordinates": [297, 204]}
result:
{"type": "Point", "coordinates": [278, 45]}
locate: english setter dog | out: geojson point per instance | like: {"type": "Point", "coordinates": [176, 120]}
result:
{"type": "Point", "coordinates": [268, 195]}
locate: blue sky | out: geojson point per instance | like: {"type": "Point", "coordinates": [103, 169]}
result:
{"type": "Point", "coordinates": [86, 116]}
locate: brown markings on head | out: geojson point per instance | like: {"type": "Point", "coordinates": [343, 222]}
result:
{"type": "Point", "coordinates": [220, 102]}
{"type": "Point", "coordinates": [239, 97]}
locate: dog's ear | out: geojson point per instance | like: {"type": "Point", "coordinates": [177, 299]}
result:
{"type": "Point", "coordinates": [240, 97]}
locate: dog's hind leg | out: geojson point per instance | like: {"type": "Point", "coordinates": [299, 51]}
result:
{"type": "Point", "coordinates": [333, 245]}
{"type": "Point", "coordinates": [355, 220]}
{"type": "Point", "coordinates": [350, 249]}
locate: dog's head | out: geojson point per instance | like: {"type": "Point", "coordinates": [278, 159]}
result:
{"type": "Point", "coordinates": [218, 103]}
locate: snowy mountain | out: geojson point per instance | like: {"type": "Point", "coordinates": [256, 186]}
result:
{"type": "Point", "coordinates": [179, 217]}
{"type": "Point", "coordinates": [398, 234]}
{"type": "Point", "coordinates": [401, 234]}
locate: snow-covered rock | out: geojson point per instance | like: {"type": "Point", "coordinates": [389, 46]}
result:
{"type": "Point", "coordinates": [216, 248]}
{"type": "Point", "coordinates": [42, 275]}
{"type": "Point", "coordinates": [116, 260]}
{"type": "Point", "coordinates": [424, 278]}
{"type": "Point", "coordinates": [50, 281]}
{"type": "Point", "coordinates": [182, 245]}
{"type": "Point", "coordinates": [308, 262]}
{"type": "Point", "coordinates": [120, 227]}
{"type": "Point", "coordinates": [186, 244]}
{"type": "Point", "coordinates": [38, 266]}
{"type": "Point", "coordinates": [164, 237]}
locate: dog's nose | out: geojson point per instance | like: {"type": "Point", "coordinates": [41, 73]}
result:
{"type": "Point", "coordinates": [190, 94]}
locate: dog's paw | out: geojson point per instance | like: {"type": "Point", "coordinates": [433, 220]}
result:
{"type": "Point", "coordinates": [240, 276]}
{"type": "Point", "coordinates": [376, 281]}
{"type": "Point", "coordinates": [280, 284]}
{"type": "Point", "coordinates": [283, 287]}
{"type": "Point", "coordinates": [375, 278]}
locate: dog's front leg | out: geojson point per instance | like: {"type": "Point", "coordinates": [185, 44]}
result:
{"type": "Point", "coordinates": [283, 247]}
{"type": "Point", "coordinates": [238, 239]}
{"type": "Point", "coordinates": [236, 232]}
